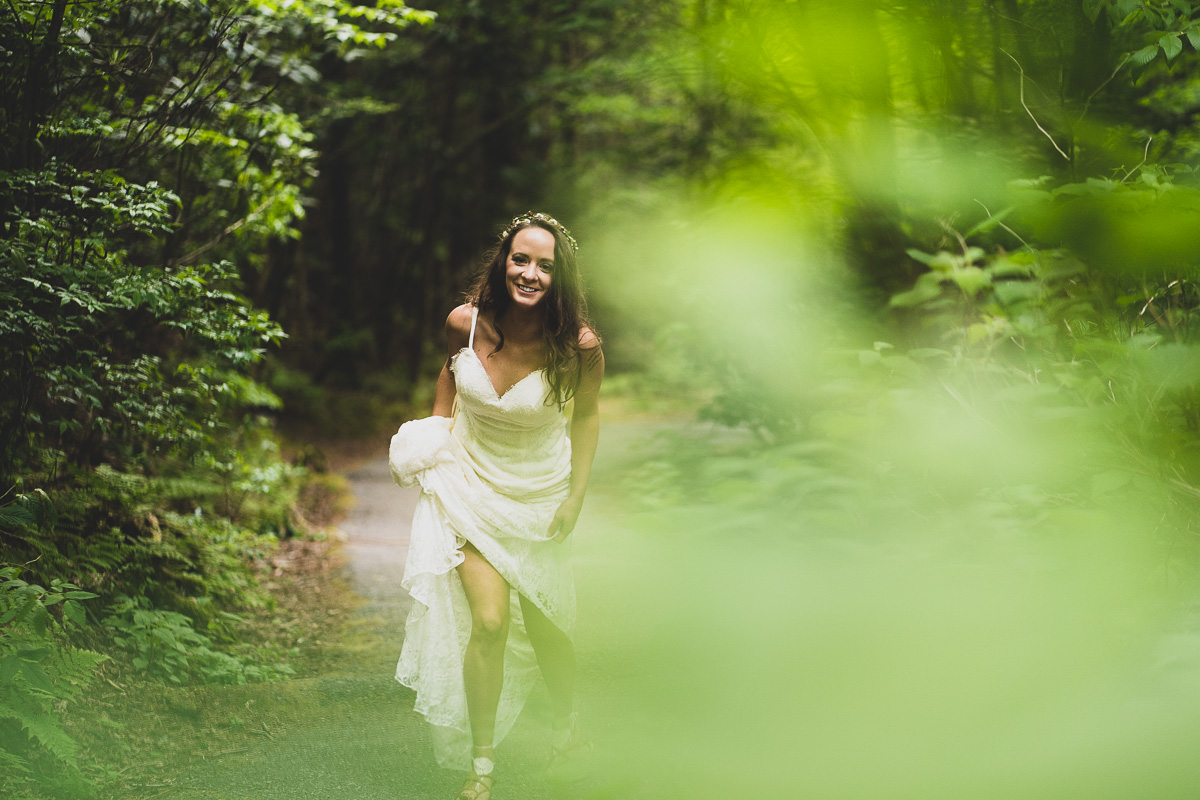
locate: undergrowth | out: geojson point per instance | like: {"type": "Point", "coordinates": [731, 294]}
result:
{"type": "Point", "coordinates": [145, 575]}
{"type": "Point", "coordinates": [40, 670]}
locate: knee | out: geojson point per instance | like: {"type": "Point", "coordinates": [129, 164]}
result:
{"type": "Point", "coordinates": [490, 625]}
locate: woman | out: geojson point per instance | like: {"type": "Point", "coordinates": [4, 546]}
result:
{"type": "Point", "coordinates": [502, 487]}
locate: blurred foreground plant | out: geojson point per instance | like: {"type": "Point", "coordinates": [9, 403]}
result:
{"type": "Point", "coordinates": [968, 540]}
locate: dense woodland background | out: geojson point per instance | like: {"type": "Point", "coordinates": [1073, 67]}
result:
{"type": "Point", "coordinates": [233, 228]}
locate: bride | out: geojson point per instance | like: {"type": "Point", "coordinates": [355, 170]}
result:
{"type": "Point", "coordinates": [503, 471]}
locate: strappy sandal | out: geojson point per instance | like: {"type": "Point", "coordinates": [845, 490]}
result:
{"type": "Point", "coordinates": [477, 787]}
{"type": "Point", "coordinates": [480, 782]}
{"type": "Point", "coordinates": [568, 749]}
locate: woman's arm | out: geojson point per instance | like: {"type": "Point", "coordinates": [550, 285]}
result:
{"type": "Point", "coordinates": [585, 433]}
{"type": "Point", "coordinates": [458, 331]}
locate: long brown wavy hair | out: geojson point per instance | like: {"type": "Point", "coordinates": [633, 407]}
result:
{"type": "Point", "coordinates": [565, 308]}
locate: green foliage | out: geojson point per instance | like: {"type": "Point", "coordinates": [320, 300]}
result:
{"type": "Point", "coordinates": [329, 17]}
{"type": "Point", "coordinates": [129, 200]}
{"type": "Point", "coordinates": [40, 671]}
{"type": "Point", "coordinates": [1106, 329]}
{"type": "Point", "coordinates": [1166, 23]}
{"type": "Point", "coordinates": [167, 645]}
{"type": "Point", "coordinates": [148, 162]}
{"type": "Point", "coordinates": [953, 236]}
{"type": "Point", "coordinates": [191, 532]}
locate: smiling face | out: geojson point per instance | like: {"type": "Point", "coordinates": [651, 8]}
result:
{"type": "Point", "coordinates": [529, 266]}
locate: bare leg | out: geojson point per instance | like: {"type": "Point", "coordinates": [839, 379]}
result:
{"type": "Point", "coordinates": [556, 658]}
{"type": "Point", "coordinates": [483, 669]}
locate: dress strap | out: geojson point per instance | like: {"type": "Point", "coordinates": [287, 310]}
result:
{"type": "Point", "coordinates": [474, 316]}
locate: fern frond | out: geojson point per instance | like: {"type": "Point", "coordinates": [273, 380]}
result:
{"type": "Point", "coordinates": [15, 516]}
{"type": "Point", "coordinates": [71, 668]}
{"type": "Point", "coordinates": [46, 730]}
{"type": "Point", "coordinates": [12, 764]}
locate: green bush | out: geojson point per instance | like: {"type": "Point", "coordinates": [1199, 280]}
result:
{"type": "Point", "coordinates": [166, 645]}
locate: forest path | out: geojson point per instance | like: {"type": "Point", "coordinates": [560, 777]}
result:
{"type": "Point", "coordinates": [358, 736]}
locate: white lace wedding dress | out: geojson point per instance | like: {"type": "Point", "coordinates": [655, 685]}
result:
{"type": "Point", "coordinates": [492, 476]}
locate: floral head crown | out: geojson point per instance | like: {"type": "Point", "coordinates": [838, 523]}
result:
{"type": "Point", "coordinates": [537, 216]}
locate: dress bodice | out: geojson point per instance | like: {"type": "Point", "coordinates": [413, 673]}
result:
{"type": "Point", "coordinates": [517, 441]}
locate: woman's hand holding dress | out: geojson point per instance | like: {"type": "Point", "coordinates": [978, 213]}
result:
{"type": "Point", "coordinates": [564, 519]}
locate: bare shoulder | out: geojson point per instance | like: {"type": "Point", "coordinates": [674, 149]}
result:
{"type": "Point", "coordinates": [459, 320]}
{"type": "Point", "coordinates": [458, 327]}
{"type": "Point", "coordinates": [588, 338]}
{"type": "Point", "coordinates": [592, 360]}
